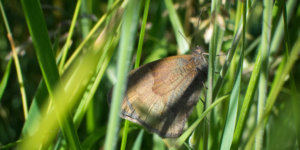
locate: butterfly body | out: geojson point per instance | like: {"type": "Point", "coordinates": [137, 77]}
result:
{"type": "Point", "coordinates": [161, 95]}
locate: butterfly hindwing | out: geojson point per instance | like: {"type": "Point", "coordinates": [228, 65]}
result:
{"type": "Point", "coordinates": [161, 95]}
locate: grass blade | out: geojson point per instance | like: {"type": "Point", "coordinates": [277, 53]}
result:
{"type": "Point", "coordinates": [5, 79]}
{"type": "Point", "coordinates": [17, 63]}
{"type": "Point", "coordinates": [263, 78]}
{"type": "Point", "coordinates": [128, 30]}
{"type": "Point", "coordinates": [230, 54]}
{"type": "Point", "coordinates": [75, 81]}
{"type": "Point", "coordinates": [278, 34]}
{"type": "Point", "coordinates": [273, 95]}
{"type": "Point", "coordinates": [215, 9]}
{"type": "Point", "coordinates": [93, 138]}
{"type": "Point", "coordinates": [63, 59]}
{"type": "Point", "coordinates": [189, 131]}
{"type": "Point", "coordinates": [93, 31]}
{"type": "Point", "coordinates": [137, 64]}
{"type": "Point", "coordinates": [235, 94]}
{"type": "Point", "coordinates": [182, 44]}
{"type": "Point", "coordinates": [295, 100]}
{"type": "Point", "coordinates": [251, 89]}
{"type": "Point", "coordinates": [138, 141]}
{"type": "Point", "coordinates": [39, 34]}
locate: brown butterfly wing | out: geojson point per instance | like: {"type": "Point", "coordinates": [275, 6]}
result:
{"type": "Point", "coordinates": [161, 95]}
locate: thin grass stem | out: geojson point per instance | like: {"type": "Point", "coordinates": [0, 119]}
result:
{"type": "Point", "coordinates": [17, 63]}
{"type": "Point", "coordinates": [74, 19]}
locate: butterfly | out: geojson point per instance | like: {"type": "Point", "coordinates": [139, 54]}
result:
{"type": "Point", "coordinates": [161, 95]}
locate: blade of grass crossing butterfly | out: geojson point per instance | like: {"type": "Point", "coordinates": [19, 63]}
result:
{"type": "Point", "coordinates": [128, 30]}
{"type": "Point", "coordinates": [187, 133]}
{"type": "Point", "coordinates": [137, 63]}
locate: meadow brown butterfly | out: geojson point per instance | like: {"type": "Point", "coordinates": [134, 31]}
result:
{"type": "Point", "coordinates": [161, 95]}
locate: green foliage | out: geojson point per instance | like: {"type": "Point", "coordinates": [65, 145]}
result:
{"type": "Point", "coordinates": [72, 52]}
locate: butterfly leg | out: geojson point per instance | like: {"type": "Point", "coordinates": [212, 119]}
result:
{"type": "Point", "coordinates": [202, 101]}
{"type": "Point", "coordinates": [204, 110]}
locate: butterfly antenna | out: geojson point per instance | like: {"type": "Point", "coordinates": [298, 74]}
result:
{"type": "Point", "coordinates": [184, 38]}
{"type": "Point", "coordinates": [221, 55]}
{"type": "Point", "coordinates": [197, 27]}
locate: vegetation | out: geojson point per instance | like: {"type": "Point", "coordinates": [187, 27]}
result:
{"type": "Point", "coordinates": [60, 58]}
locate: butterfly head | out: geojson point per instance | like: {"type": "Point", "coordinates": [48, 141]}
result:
{"type": "Point", "coordinates": [199, 57]}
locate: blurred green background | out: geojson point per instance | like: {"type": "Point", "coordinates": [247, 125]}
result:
{"type": "Point", "coordinates": [160, 41]}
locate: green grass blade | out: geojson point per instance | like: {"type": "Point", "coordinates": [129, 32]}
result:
{"type": "Point", "coordinates": [177, 27]}
{"type": "Point", "coordinates": [273, 95]}
{"type": "Point", "coordinates": [125, 134]}
{"type": "Point", "coordinates": [296, 104]}
{"type": "Point", "coordinates": [93, 138]}
{"type": "Point", "coordinates": [142, 34]}
{"type": "Point", "coordinates": [85, 23]}
{"type": "Point", "coordinates": [40, 100]}
{"type": "Point", "coordinates": [10, 145]}
{"type": "Point", "coordinates": [17, 62]}
{"type": "Point", "coordinates": [5, 79]}
{"type": "Point", "coordinates": [220, 31]}
{"type": "Point", "coordinates": [278, 34]}
{"type": "Point", "coordinates": [235, 94]}
{"type": "Point", "coordinates": [276, 13]}
{"type": "Point", "coordinates": [83, 106]}
{"type": "Point", "coordinates": [93, 31]}
{"type": "Point", "coordinates": [158, 143]}
{"type": "Point", "coordinates": [263, 79]}
{"type": "Point", "coordinates": [74, 19]}
{"type": "Point", "coordinates": [36, 111]}
{"type": "Point", "coordinates": [89, 94]}
{"type": "Point", "coordinates": [39, 34]}
{"type": "Point", "coordinates": [253, 45]}
{"type": "Point", "coordinates": [232, 110]}
{"type": "Point", "coordinates": [230, 54]}
{"type": "Point", "coordinates": [249, 97]}
{"type": "Point", "coordinates": [252, 87]}
{"type": "Point", "coordinates": [189, 131]}
{"type": "Point", "coordinates": [211, 69]}
{"type": "Point", "coordinates": [138, 141]}
{"type": "Point", "coordinates": [295, 100]}
{"type": "Point", "coordinates": [128, 30]}
{"type": "Point", "coordinates": [137, 64]}
{"type": "Point", "coordinates": [109, 5]}
{"type": "Point", "coordinates": [274, 45]}
{"type": "Point", "coordinates": [69, 95]}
